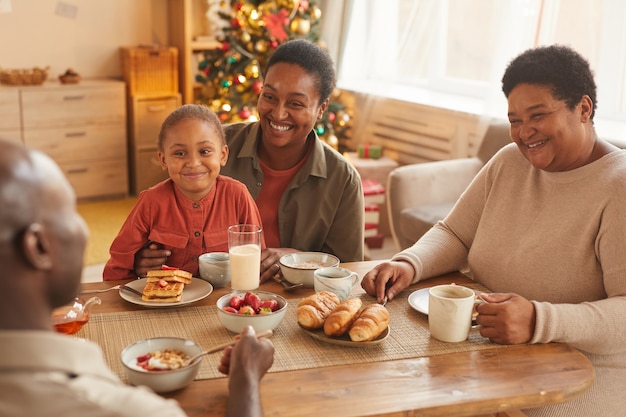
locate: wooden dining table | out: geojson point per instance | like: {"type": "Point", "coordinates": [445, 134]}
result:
{"type": "Point", "coordinates": [483, 382]}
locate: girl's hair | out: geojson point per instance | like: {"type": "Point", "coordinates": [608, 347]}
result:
{"type": "Point", "coordinates": [191, 111]}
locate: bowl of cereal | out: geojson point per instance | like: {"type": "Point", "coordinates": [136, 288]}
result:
{"type": "Point", "coordinates": [160, 363]}
{"type": "Point", "coordinates": [298, 267]}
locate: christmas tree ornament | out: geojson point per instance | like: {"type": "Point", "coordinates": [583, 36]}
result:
{"type": "Point", "coordinates": [261, 46]}
{"type": "Point", "coordinates": [257, 87]}
{"type": "Point", "coordinates": [300, 26]}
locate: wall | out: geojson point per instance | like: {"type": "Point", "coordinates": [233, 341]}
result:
{"type": "Point", "coordinates": [33, 34]}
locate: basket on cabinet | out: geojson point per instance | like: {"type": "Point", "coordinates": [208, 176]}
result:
{"type": "Point", "coordinates": [150, 70]}
{"type": "Point", "coordinates": [30, 76]}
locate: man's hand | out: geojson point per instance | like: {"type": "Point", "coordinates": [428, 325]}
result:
{"type": "Point", "coordinates": [506, 318]}
{"type": "Point", "coordinates": [249, 358]}
{"type": "Point", "coordinates": [152, 256]}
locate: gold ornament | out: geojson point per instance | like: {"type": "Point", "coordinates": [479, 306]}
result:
{"type": "Point", "coordinates": [245, 37]}
{"type": "Point", "coordinates": [261, 46]}
{"type": "Point", "coordinates": [300, 26]}
{"type": "Point", "coordinates": [252, 70]}
{"type": "Point", "coordinates": [315, 12]}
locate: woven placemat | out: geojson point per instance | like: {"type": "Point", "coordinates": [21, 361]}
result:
{"type": "Point", "coordinates": [295, 349]}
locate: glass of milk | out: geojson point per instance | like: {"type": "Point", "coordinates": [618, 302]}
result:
{"type": "Point", "coordinates": [244, 247]}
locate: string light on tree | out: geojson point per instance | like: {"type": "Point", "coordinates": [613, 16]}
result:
{"type": "Point", "coordinates": [251, 31]}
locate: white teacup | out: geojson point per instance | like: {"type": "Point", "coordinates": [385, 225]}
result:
{"type": "Point", "coordinates": [337, 280]}
{"type": "Point", "coordinates": [450, 309]}
{"type": "Point", "coordinates": [215, 268]}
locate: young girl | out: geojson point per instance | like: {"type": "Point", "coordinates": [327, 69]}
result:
{"type": "Point", "coordinates": [189, 213]}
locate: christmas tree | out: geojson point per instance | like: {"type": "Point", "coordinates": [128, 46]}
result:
{"type": "Point", "coordinates": [252, 30]}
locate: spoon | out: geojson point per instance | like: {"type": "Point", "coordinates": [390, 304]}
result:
{"type": "Point", "coordinates": [218, 348]}
{"type": "Point", "coordinates": [287, 285]}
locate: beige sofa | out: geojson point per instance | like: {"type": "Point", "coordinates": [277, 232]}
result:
{"type": "Point", "coordinates": [419, 195]}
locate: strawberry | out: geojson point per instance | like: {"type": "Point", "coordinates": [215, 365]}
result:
{"type": "Point", "coordinates": [143, 358]}
{"type": "Point", "coordinates": [247, 310]}
{"type": "Point", "coordinates": [236, 302]}
{"type": "Point", "coordinates": [252, 300]}
{"type": "Point", "coordinates": [229, 309]}
{"type": "Point", "coordinates": [271, 304]}
{"type": "Point", "coordinates": [265, 310]}
{"type": "Point", "coordinates": [162, 283]}
{"type": "Point", "coordinates": [168, 268]}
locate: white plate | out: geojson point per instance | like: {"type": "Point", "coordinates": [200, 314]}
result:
{"type": "Point", "coordinates": [419, 300]}
{"type": "Point", "coordinates": [196, 291]}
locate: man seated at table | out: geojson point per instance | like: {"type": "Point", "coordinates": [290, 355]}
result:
{"type": "Point", "coordinates": [43, 373]}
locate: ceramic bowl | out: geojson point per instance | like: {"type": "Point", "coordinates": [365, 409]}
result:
{"type": "Point", "coordinates": [298, 268]}
{"type": "Point", "coordinates": [260, 322]}
{"type": "Point", "coordinates": [160, 381]}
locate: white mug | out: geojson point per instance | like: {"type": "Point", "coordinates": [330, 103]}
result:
{"type": "Point", "coordinates": [337, 280]}
{"type": "Point", "coordinates": [215, 268]}
{"type": "Point", "coordinates": [450, 309]}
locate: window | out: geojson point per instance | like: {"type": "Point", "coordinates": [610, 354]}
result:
{"type": "Point", "coordinates": [460, 48]}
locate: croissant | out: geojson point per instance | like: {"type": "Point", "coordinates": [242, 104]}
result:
{"type": "Point", "coordinates": [340, 319]}
{"type": "Point", "coordinates": [313, 310]}
{"type": "Point", "coordinates": [372, 321]}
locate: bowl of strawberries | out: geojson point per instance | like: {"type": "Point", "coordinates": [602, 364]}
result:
{"type": "Point", "coordinates": [260, 309]}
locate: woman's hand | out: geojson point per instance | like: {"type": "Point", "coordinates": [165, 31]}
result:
{"type": "Point", "coordinates": [388, 279]}
{"type": "Point", "coordinates": [507, 319]}
{"type": "Point", "coordinates": [270, 265]}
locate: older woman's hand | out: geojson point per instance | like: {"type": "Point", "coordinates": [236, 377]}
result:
{"type": "Point", "coordinates": [506, 318]}
{"type": "Point", "coordinates": [388, 278]}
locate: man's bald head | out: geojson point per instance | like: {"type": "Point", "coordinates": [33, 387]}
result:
{"type": "Point", "coordinates": [42, 237]}
{"type": "Point", "coordinates": [19, 189]}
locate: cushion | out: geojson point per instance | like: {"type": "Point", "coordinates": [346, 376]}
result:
{"type": "Point", "coordinates": [416, 221]}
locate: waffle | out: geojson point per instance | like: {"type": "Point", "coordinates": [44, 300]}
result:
{"type": "Point", "coordinates": [170, 275]}
{"type": "Point", "coordinates": [156, 293]}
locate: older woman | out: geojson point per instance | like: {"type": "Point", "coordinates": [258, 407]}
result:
{"type": "Point", "coordinates": [543, 225]}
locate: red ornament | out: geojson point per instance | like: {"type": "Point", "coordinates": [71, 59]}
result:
{"type": "Point", "coordinates": [223, 117]}
{"type": "Point", "coordinates": [273, 44]}
{"type": "Point", "coordinates": [332, 117]}
{"type": "Point", "coordinates": [304, 5]}
{"type": "Point", "coordinates": [244, 113]}
{"type": "Point", "coordinates": [225, 46]}
{"type": "Point", "coordinates": [256, 87]}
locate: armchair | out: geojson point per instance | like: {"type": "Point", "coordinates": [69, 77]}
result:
{"type": "Point", "coordinates": [419, 195]}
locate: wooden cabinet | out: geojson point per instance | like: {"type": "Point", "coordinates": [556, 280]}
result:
{"type": "Point", "coordinates": [146, 114]}
{"type": "Point", "coordinates": [83, 128]}
{"type": "Point", "coordinates": [10, 126]}
{"type": "Point", "coordinates": [190, 32]}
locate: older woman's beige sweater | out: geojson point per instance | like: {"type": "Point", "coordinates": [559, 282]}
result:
{"type": "Point", "coordinates": [558, 239]}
